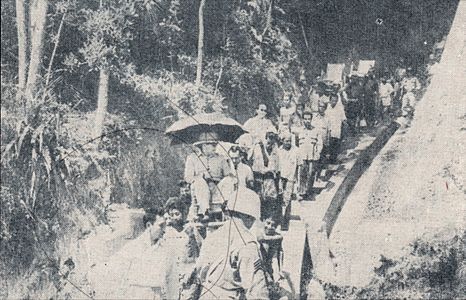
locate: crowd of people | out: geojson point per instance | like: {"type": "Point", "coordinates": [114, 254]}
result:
{"type": "Point", "coordinates": [246, 189]}
{"type": "Point", "coordinates": [282, 159]}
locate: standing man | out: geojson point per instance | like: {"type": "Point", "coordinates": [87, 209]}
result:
{"type": "Point", "coordinates": [397, 94]}
{"type": "Point", "coordinates": [230, 265]}
{"type": "Point", "coordinates": [265, 163]}
{"type": "Point", "coordinates": [310, 148]}
{"type": "Point", "coordinates": [410, 85]}
{"type": "Point", "coordinates": [241, 171]}
{"type": "Point", "coordinates": [286, 111]}
{"type": "Point", "coordinates": [336, 116]}
{"type": "Point", "coordinates": [296, 123]}
{"type": "Point", "coordinates": [204, 170]}
{"type": "Point", "coordinates": [353, 94]}
{"type": "Point", "coordinates": [369, 98]}
{"type": "Point", "coordinates": [288, 164]}
{"type": "Point", "coordinates": [321, 123]}
{"type": "Point", "coordinates": [258, 124]}
{"type": "Point", "coordinates": [386, 92]}
{"type": "Point", "coordinates": [313, 98]}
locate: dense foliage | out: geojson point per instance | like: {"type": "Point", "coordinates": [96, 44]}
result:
{"type": "Point", "coordinates": [54, 170]}
{"type": "Point", "coordinates": [433, 267]}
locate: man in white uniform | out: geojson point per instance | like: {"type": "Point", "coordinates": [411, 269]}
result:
{"type": "Point", "coordinates": [258, 125]}
{"type": "Point", "coordinates": [204, 170]}
{"type": "Point", "coordinates": [410, 85]}
{"type": "Point", "coordinates": [386, 92]}
{"type": "Point", "coordinates": [336, 116]}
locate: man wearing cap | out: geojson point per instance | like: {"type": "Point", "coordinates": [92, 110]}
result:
{"type": "Point", "coordinates": [230, 265]}
{"type": "Point", "coordinates": [258, 124]}
{"type": "Point", "coordinates": [204, 170]}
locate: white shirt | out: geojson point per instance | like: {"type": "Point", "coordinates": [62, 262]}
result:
{"type": "Point", "coordinates": [244, 173]}
{"type": "Point", "coordinates": [310, 144]}
{"type": "Point", "coordinates": [258, 126]}
{"type": "Point", "coordinates": [288, 162]}
{"type": "Point", "coordinates": [385, 91]}
{"type": "Point", "coordinates": [321, 123]}
{"type": "Point", "coordinates": [258, 160]}
{"type": "Point", "coordinates": [336, 116]}
{"type": "Point", "coordinates": [411, 84]}
{"type": "Point", "coordinates": [286, 113]}
{"type": "Point", "coordinates": [215, 166]}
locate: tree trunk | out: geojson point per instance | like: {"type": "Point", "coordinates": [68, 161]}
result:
{"type": "Point", "coordinates": [102, 102]}
{"type": "Point", "coordinates": [38, 16]}
{"type": "Point", "coordinates": [102, 99]}
{"type": "Point", "coordinates": [200, 44]}
{"type": "Point", "coordinates": [268, 21]}
{"type": "Point", "coordinates": [55, 46]}
{"type": "Point", "coordinates": [22, 46]}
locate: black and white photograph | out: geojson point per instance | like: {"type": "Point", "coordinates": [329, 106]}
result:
{"type": "Point", "coordinates": [233, 149]}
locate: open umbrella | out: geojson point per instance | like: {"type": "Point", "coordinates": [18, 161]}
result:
{"type": "Point", "coordinates": [188, 130]}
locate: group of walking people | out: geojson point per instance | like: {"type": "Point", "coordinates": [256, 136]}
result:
{"type": "Point", "coordinates": [248, 187]}
{"type": "Point", "coordinates": [281, 158]}
{"type": "Point", "coordinates": [370, 101]}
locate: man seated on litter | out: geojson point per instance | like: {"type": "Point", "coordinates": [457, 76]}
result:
{"type": "Point", "coordinates": [204, 170]}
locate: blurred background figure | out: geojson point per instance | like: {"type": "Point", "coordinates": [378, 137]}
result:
{"type": "Point", "coordinates": [288, 165]}
{"type": "Point", "coordinates": [287, 109]}
{"type": "Point", "coordinates": [336, 117]}
{"type": "Point", "coordinates": [310, 147]}
{"type": "Point", "coordinates": [386, 93]}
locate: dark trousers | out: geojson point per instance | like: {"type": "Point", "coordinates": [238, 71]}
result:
{"type": "Point", "coordinates": [271, 208]}
{"type": "Point", "coordinates": [353, 111]}
{"type": "Point", "coordinates": [334, 147]}
{"type": "Point", "coordinates": [307, 174]}
{"type": "Point", "coordinates": [369, 111]}
{"type": "Point", "coordinates": [267, 189]}
{"type": "Point", "coordinates": [285, 200]}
